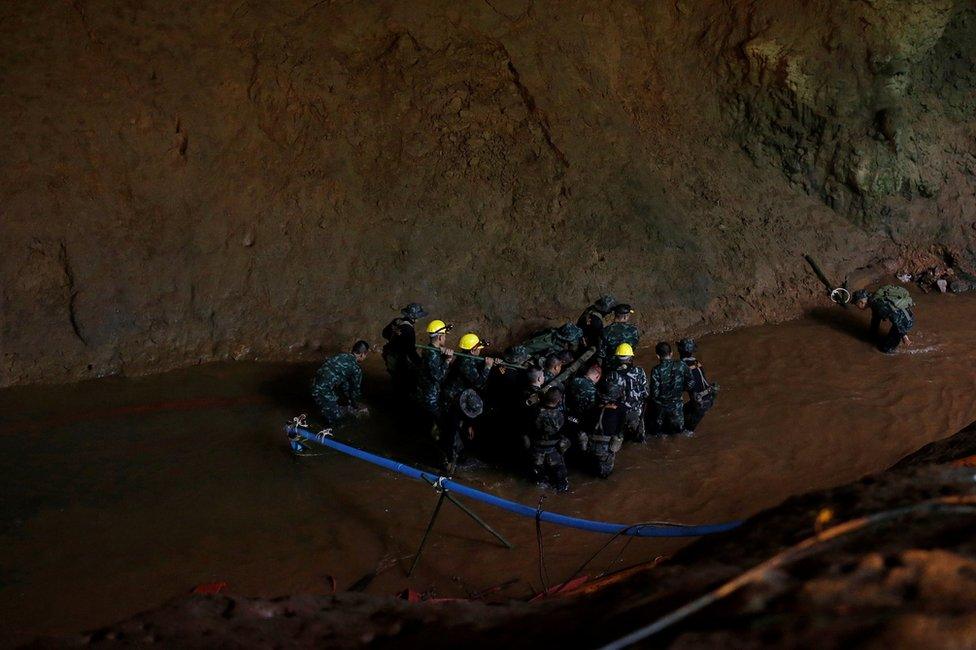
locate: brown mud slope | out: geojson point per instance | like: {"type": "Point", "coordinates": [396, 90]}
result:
{"type": "Point", "coordinates": [255, 179]}
{"type": "Point", "coordinates": [907, 581]}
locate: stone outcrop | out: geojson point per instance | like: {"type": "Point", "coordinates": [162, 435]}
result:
{"type": "Point", "coordinates": [269, 180]}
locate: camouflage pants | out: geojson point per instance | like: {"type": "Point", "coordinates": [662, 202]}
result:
{"type": "Point", "coordinates": [328, 403]}
{"type": "Point", "coordinates": [634, 424]}
{"type": "Point", "coordinates": [695, 410]}
{"type": "Point", "coordinates": [549, 465]}
{"type": "Point", "coordinates": [601, 458]}
{"type": "Point", "coordinates": [669, 418]}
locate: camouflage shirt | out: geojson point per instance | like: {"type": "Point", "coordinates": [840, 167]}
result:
{"type": "Point", "coordinates": [581, 396]}
{"type": "Point", "coordinates": [548, 423]}
{"type": "Point", "coordinates": [669, 380]}
{"type": "Point", "coordinates": [433, 369]}
{"type": "Point", "coordinates": [632, 381]}
{"type": "Point", "coordinates": [340, 375]}
{"type": "Point", "coordinates": [616, 333]}
{"type": "Point", "coordinates": [466, 373]}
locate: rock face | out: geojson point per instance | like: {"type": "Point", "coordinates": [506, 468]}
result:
{"type": "Point", "coordinates": [267, 180]}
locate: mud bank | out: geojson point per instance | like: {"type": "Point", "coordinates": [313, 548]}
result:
{"type": "Point", "coordinates": [255, 180]}
{"type": "Point", "coordinates": [907, 582]}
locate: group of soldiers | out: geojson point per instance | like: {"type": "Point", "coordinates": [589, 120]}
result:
{"type": "Point", "coordinates": [572, 391]}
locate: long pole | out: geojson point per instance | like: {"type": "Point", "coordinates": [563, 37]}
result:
{"type": "Point", "coordinates": [469, 356]}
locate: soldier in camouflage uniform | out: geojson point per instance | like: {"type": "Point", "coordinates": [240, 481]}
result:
{"type": "Point", "coordinates": [467, 372]}
{"type": "Point", "coordinates": [547, 446]}
{"type": "Point", "coordinates": [337, 386]}
{"type": "Point", "coordinates": [604, 429]}
{"type": "Point", "coordinates": [632, 381]}
{"type": "Point", "coordinates": [893, 304]}
{"type": "Point", "coordinates": [701, 392]}
{"type": "Point", "coordinates": [669, 381]}
{"type": "Point", "coordinates": [591, 321]}
{"type": "Point", "coordinates": [457, 427]}
{"type": "Point", "coordinates": [580, 401]}
{"type": "Point", "coordinates": [431, 372]}
{"type": "Point", "coordinates": [619, 331]}
{"type": "Point", "coordinates": [400, 351]}
{"type": "Point", "coordinates": [552, 341]}
{"type": "Point", "coordinates": [551, 367]}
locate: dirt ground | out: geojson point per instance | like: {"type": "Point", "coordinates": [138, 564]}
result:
{"type": "Point", "coordinates": [255, 180]}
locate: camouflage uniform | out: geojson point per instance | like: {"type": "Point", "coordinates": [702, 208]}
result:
{"type": "Point", "coordinates": [617, 333]}
{"type": "Point", "coordinates": [400, 353]}
{"type": "Point", "coordinates": [701, 392]}
{"type": "Point", "coordinates": [550, 341]}
{"type": "Point", "coordinates": [902, 321]}
{"type": "Point", "coordinates": [430, 375]}
{"type": "Point", "coordinates": [580, 400]}
{"type": "Point", "coordinates": [669, 380]}
{"type": "Point", "coordinates": [337, 386]}
{"type": "Point", "coordinates": [604, 425]}
{"type": "Point", "coordinates": [547, 447]}
{"type": "Point", "coordinates": [465, 373]}
{"type": "Point", "coordinates": [632, 381]}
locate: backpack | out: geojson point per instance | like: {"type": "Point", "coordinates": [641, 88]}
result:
{"type": "Point", "coordinates": [897, 297]}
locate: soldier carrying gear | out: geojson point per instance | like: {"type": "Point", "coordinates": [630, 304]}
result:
{"type": "Point", "coordinates": [400, 351]}
{"type": "Point", "coordinates": [337, 386]}
{"type": "Point", "coordinates": [619, 331]}
{"type": "Point", "coordinates": [432, 371]}
{"type": "Point", "coordinates": [591, 320]}
{"type": "Point", "coordinates": [467, 371]}
{"type": "Point", "coordinates": [669, 381]}
{"type": "Point", "coordinates": [604, 424]}
{"type": "Point", "coordinates": [554, 340]}
{"type": "Point", "coordinates": [632, 381]}
{"type": "Point", "coordinates": [702, 392]}
{"type": "Point", "coordinates": [547, 445]}
{"type": "Point", "coordinates": [893, 304]}
{"type": "Point", "coordinates": [580, 401]}
{"type": "Point", "coordinates": [457, 427]}
{"type": "Point", "coordinates": [552, 365]}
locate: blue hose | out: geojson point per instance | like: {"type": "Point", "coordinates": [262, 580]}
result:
{"type": "Point", "coordinates": [638, 530]}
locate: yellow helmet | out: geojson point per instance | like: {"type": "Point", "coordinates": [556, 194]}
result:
{"type": "Point", "coordinates": [624, 350]}
{"type": "Point", "coordinates": [469, 341]}
{"type": "Point", "coordinates": [436, 327]}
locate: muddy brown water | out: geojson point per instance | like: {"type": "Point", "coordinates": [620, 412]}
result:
{"type": "Point", "coordinates": [118, 494]}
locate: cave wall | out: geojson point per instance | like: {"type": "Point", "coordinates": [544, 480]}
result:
{"type": "Point", "coordinates": [207, 180]}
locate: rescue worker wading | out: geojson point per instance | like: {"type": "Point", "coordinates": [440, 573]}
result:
{"type": "Point", "coordinates": [632, 381]}
{"type": "Point", "coordinates": [604, 426]}
{"type": "Point", "coordinates": [546, 443]}
{"type": "Point", "coordinates": [337, 386]}
{"type": "Point", "coordinates": [457, 433]}
{"type": "Point", "coordinates": [580, 402]}
{"type": "Point", "coordinates": [400, 351]}
{"type": "Point", "coordinates": [467, 372]}
{"type": "Point", "coordinates": [619, 331]}
{"type": "Point", "coordinates": [431, 372]}
{"type": "Point", "coordinates": [893, 304]}
{"type": "Point", "coordinates": [701, 392]}
{"type": "Point", "coordinates": [669, 381]}
{"type": "Point", "coordinates": [591, 321]}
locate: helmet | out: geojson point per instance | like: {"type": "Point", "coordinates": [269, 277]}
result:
{"type": "Point", "coordinates": [569, 333]}
{"type": "Point", "coordinates": [517, 355]}
{"type": "Point", "coordinates": [623, 308]}
{"type": "Point", "coordinates": [624, 350]}
{"type": "Point", "coordinates": [413, 311]}
{"type": "Point", "coordinates": [470, 403]}
{"type": "Point", "coordinates": [469, 341]}
{"type": "Point", "coordinates": [436, 327]}
{"type": "Point", "coordinates": [605, 303]}
{"type": "Point", "coordinates": [687, 347]}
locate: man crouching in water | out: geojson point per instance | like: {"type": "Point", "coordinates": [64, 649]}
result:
{"type": "Point", "coordinates": [893, 304]}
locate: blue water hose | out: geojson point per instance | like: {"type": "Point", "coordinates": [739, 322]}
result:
{"type": "Point", "coordinates": [637, 530]}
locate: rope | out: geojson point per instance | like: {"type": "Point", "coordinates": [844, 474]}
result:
{"type": "Point", "coordinates": [639, 530]}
